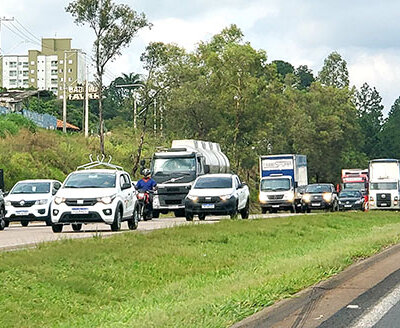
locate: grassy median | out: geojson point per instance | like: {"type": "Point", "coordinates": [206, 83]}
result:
{"type": "Point", "coordinates": [192, 276]}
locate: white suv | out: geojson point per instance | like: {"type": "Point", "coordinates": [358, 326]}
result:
{"type": "Point", "coordinates": [29, 200]}
{"type": "Point", "coordinates": [95, 195]}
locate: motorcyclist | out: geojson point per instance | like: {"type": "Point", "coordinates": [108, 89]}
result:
{"type": "Point", "coordinates": [147, 184]}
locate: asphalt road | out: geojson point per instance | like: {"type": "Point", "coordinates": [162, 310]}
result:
{"type": "Point", "coordinates": [16, 236]}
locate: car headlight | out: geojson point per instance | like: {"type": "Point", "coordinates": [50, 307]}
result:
{"type": "Point", "coordinates": [358, 201]}
{"type": "Point", "coordinates": [193, 198]}
{"type": "Point", "coordinates": [106, 200]}
{"type": "Point", "coordinates": [263, 198]}
{"type": "Point", "coordinates": [7, 203]}
{"type": "Point", "coordinates": [327, 197]}
{"type": "Point", "coordinates": [306, 198]}
{"type": "Point", "coordinates": [340, 202]}
{"type": "Point", "coordinates": [290, 197]}
{"type": "Point", "coordinates": [225, 197]}
{"type": "Point", "coordinates": [59, 200]}
{"type": "Point", "coordinates": [41, 202]}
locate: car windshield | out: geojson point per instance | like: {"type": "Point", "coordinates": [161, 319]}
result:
{"type": "Point", "coordinates": [213, 182]}
{"type": "Point", "coordinates": [175, 164]}
{"type": "Point", "coordinates": [31, 188]}
{"type": "Point", "coordinates": [91, 180]}
{"type": "Point", "coordinates": [383, 186]}
{"type": "Point", "coordinates": [318, 188]}
{"type": "Point", "coordinates": [275, 184]}
{"type": "Point", "coordinates": [350, 194]}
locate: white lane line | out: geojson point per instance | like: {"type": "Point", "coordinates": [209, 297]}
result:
{"type": "Point", "coordinates": [379, 310]}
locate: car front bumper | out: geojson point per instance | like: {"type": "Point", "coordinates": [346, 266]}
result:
{"type": "Point", "coordinates": [216, 208]}
{"type": "Point", "coordinates": [32, 213]}
{"type": "Point", "coordinates": [320, 205]}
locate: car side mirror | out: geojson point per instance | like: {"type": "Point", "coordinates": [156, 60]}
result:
{"type": "Point", "coordinates": [126, 186]}
{"type": "Point", "coordinates": [206, 169]}
{"type": "Point", "coordinates": [54, 191]}
{"type": "Point", "coordinates": [6, 193]}
{"type": "Point", "coordinates": [240, 186]}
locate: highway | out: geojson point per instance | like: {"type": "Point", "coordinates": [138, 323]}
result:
{"type": "Point", "coordinates": [16, 236]}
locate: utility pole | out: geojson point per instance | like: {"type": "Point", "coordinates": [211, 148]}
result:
{"type": "Point", "coordinates": [128, 86]}
{"type": "Point", "coordinates": [155, 116]}
{"type": "Point", "coordinates": [87, 103]}
{"type": "Point", "coordinates": [65, 94]}
{"type": "Point", "coordinates": [4, 19]}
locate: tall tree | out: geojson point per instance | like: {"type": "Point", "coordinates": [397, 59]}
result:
{"type": "Point", "coordinates": [370, 114]}
{"type": "Point", "coordinates": [114, 25]}
{"type": "Point", "coordinates": [334, 72]}
{"type": "Point", "coordinates": [283, 68]}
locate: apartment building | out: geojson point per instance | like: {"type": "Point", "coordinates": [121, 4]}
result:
{"type": "Point", "coordinates": [44, 69]}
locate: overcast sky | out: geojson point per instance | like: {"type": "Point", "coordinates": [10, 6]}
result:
{"type": "Point", "coordinates": [366, 33]}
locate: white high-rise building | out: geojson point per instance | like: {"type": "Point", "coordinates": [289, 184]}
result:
{"type": "Point", "coordinates": [14, 71]}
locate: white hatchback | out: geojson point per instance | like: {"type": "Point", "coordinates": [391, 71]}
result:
{"type": "Point", "coordinates": [29, 200]}
{"type": "Point", "coordinates": [95, 195]}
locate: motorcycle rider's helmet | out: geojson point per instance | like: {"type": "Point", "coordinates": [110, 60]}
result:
{"type": "Point", "coordinates": [146, 173]}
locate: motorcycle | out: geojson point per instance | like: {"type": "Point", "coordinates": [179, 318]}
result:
{"type": "Point", "coordinates": [145, 207]}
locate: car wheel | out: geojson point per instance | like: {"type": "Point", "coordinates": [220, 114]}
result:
{"type": "Point", "coordinates": [57, 228]}
{"type": "Point", "coordinates": [263, 210]}
{"type": "Point", "coordinates": [180, 213]}
{"type": "Point", "coordinates": [308, 210]}
{"type": "Point", "coordinates": [334, 206]}
{"type": "Point", "coordinates": [246, 210]}
{"type": "Point", "coordinates": [202, 216]}
{"type": "Point", "coordinates": [77, 226]}
{"type": "Point", "coordinates": [189, 216]}
{"type": "Point", "coordinates": [6, 223]}
{"type": "Point", "coordinates": [24, 223]}
{"type": "Point", "coordinates": [156, 214]}
{"type": "Point", "coordinates": [234, 212]}
{"type": "Point", "coordinates": [134, 221]}
{"type": "Point", "coordinates": [116, 225]}
{"type": "Point", "coordinates": [2, 224]}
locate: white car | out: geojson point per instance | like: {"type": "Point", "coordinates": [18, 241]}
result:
{"type": "Point", "coordinates": [95, 195]}
{"type": "Point", "coordinates": [217, 194]}
{"type": "Point", "coordinates": [29, 200]}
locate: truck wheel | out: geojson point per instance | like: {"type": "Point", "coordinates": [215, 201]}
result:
{"type": "Point", "coordinates": [77, 226]}
{"type": "Point", "coordinates": [179, 213]}
{"type": "Point", "coordinates": [116, 225]}
{"type": "Point", "coordinates": [202, 217]}
{"type": "Point", "coordinates": [24, 223]}
{"type": "Point", "coordinates": [245, 211]}
{"type": "Point", "coordinates": [156, 214]}
{"type": "Point", "coordinates": [134, 221]}
{"type": "Point", "coordinates": [57, 228]}
{"type": "Point", "coordinates": [263, 210]}
{"type": "Point", "coordinates": [189, 216]}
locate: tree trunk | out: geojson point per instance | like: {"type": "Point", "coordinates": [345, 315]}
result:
{"type": "Point", "coordinates": [101, 113]}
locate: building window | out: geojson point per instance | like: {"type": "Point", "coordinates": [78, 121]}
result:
{"type": "Point", "coordinates": [61, 62]}
{"type": "Point", "coordinates": [62, 79]}
{"type": "Point", "coordinates": [54, 81]}
{"type": "Point", "coordinates": [13, 65]}
{"type": "Point", "coordinates": [32, 71]}
{"type": "Point", "coordinates": [32, 62]}
{"type": "Point", "coordinates": [32, 80]}
{"type": "Point", "coordinates": [69, 70]}
{"type": "Point", "coordinates": [13, 73]}
{"type": "Point", "coordinates": [69, 61]}
{"type": "Point", "coordinates": [69, 79]}
{"type": "Point", "coordinates": [60, 70]}
{"type": "Point", "coordinates": [25, 73]}
{"type": "Point", "coordinates": [13, 82]}
{"type": "Point", "coordinates": [54, 63]}
{"type": "Point", "coordinates": [53, 72]}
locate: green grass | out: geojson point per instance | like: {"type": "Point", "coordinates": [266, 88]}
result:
{"type": "Point", "coordinates": [191, 276]}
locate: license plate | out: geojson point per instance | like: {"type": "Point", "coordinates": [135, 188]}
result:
{"type": "Point", "coordinates": [275, 206]}
{"type": "Point", "coordinates": [80, 211]}
{"type": "Point", "coordinates": [347, 205]}
{"type": "Point", "coordinates": [174, 206]}
{"type": "Point", "coordinates": [383, 204]}
{"type": "Point", "coordinates": [315, 204]}
{"type": "Point", "coordinates": [22, 213]}
{"type": "Point", "coordinates": [208, 206]}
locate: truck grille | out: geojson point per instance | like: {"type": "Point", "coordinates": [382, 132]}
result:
{"type": "Point", "coordinates": [173, 201]}
{"type": "Point", "coordinates": [209, 199]}
{"type": "Point", "coordinates": [383, 200]}
{"type": "Point", "coordinates": [273, 197]}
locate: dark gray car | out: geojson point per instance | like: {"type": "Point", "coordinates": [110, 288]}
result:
{"type": "Point", "coordinates": [320, 196]}
{"type": "Point", "coordinates": [2, 212]}
{"type": "Point", "coordinates": [351, 200]}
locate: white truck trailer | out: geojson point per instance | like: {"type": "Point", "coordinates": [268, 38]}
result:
{"type": "Point", "coordinates": [384, 177]}
{"type": "Point", "coordinates": [175, 169]}
{"type": "Point", "coordinates": [280, 179]}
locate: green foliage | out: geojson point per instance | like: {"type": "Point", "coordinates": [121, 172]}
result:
{"type": "Point", "coordinates": [210, 275]}
{"type": "Point", "coordinates": [334, 72]}
{"type": "Point", "coordinates": [12, 123]}
{"type": "Point", "coordinates": [388, 142]}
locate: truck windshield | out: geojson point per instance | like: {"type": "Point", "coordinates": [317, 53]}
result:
{"type": "Point", "coordinates": [213, 183]}
{"type": "Point", "coordinates": [383, 186]}
{"type": "Point", "coordinates": [354, 186]}
{"type": "Point", "coordinates": [31, 188]}
{"type": "Point", "coordinates": [275, 184]}
{"type": "Point", "coordinates": [175, 164]}
{"type": "Point", "coordinates": [91, 180]}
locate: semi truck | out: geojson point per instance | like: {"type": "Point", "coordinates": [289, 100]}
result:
{"type": "Point", "coordinates": [355, 179]}
{"type": "Point", "coordinates": [384, 176]}
{"type": "Point", "coordinates": [281, 178]}
{"type": "Point", "coordinates": [175, 169]}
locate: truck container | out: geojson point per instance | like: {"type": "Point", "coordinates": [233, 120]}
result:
{"type": "Point", "coordinates": [384, 176]}
{"type": "Point", "coordinates": [175, 169]}
{"type": "Point", "coordinates": [281, 177]}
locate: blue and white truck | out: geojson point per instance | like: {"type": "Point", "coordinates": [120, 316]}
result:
{"type": "Point", "coordinates": [282, 178]}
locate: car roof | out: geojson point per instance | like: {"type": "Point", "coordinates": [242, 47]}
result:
{"type": "Point", "coordinates": [37, 180]}
{"type": "Point", "coordinates": [98, 171]}
{"type": "Point", "coordinates": [217, 175]}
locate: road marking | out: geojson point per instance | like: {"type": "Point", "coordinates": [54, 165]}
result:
{"type": "Point", "coordinates": [379, 310]}
{"type": "Point", "coordinates": [352, 306]}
